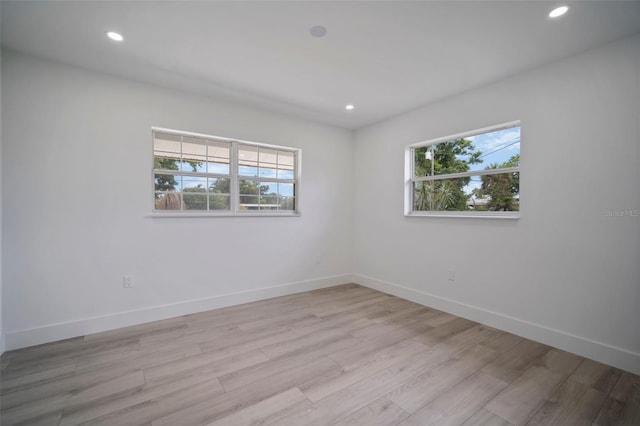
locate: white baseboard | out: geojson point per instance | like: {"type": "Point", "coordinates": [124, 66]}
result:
{"type": "Point", "coordinates": [597, 351]}
{"type": "Point", "coordinates": [65, 330]}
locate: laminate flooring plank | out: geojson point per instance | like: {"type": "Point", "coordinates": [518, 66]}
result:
{"type": "Point", "coordinates": [267, 410]}
{"type": "Point", "coordinates": [573, 403]}
{"type": "Point", "coordinates": [145, 412]}
{"type": "Point", "coordinates": [239, 317]}
{"type": "Point", "coordinates": [299, 342]}
{"type": "Point", "coordinates": [502, 341]}
{"type": "Point", "coordinates": [353, 306]}
{"type": "Point", "coordinates": [207, 383]}
{"type": "Point", "coordinates": [483, 417]}
{"type": "Point", "coordinates": [609, 413]}
{"type": "Point", "coordinates": [78, 348]}
{"type": "Point", "coordinates": [381, 412]}
{"type": "Point", "coordinates": [559, 361]}
{"type": "Point", "coordinates": [322, 386]}
{"type": "Point", "coordinates": [625, 385]}
{"type": "Point", "coordinates": [596, 375]}
{"type": "Point", "coordinates": [426, 387]}
{"type": "Point", "coordinates": [441, 318]}
{"type": "Point", "coordinates": [146, 329]}
{"type": "Point", "coordinates": [17, 382]}
{"type": "Point", "coordinates": [50, 419]}
{"type": "Point", "coordinates": [188, 336]}
{"type": "Point", "coordinates": [476, 335]}
{"type": "Point", "coordinates": [67, 385]}
{"type": "Point", "coordinates": [137, 359]}
{"type": "Point", "coordinates": [630, 414]}
{"type": "Point", "coordinates": [341, 404]}
{"type": "Point", "coordinates": [519, 401]}
{"type": "Point", "coordinates": [403, 331]}
{"type": "Point", "coordinates": [276, 321]}
{"type": "Point", "coordinates": [367, 348]}
{"type": "Point", "coordinates": [444, 331]}
{"type": "Point", "coordinates": [202, 364]}
{"type": "Point", "coordinates": [399, 314]}
{"type": "Point", "coordinates": [238, 399]}
{"type": "Point", "coordinates": [254, 373]}
{"type": "Point", "coordinates": [247, 340]}
{"type": "Point", "coordinates": [257, 339]}
{"type": "Point", "coordinates": [459, 403]}
{"type": "Point", "coordinates": [46, 349]}
{"type": "Point", "coordinates": [34, 408]}
{"type": "Point", "coordinates": [515, 361]}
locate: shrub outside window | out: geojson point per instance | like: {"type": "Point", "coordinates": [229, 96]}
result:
{"type": "Point", "coordinates": [473, 174]}
{"type": "Point", "coordinates": [202, 174]}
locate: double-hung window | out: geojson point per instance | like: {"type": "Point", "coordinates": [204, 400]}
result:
{"type": "Point", "coordinates": [473, 174]}
{"type": "Point", "coordinates": [195, 174]}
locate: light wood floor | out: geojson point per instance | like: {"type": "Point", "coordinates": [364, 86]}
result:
{"type": "Point", "coordinates": [345, 355]}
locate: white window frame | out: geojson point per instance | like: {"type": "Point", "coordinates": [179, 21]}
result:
{"type": "Point", "coordinates": [234, 187]}
{"type": "Point", "coordinates": [409, 178]}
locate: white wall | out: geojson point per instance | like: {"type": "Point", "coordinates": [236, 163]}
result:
{"type": "Point", "coordinates": [565, 273]}
{"type": "Point", "coordinates": [76, 195]}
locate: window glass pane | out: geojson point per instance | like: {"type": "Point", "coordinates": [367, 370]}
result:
{"type": "Point", "coordinates": [286, 160]}
{"type": "Point", "coordinates": [268, 196]}
{"type": "Point", "coordinates": [247, 171]}
{"type": "Point", "coordinates": [168, 201]}
{"type": "Point", "coordinates": [441, 195]}
{"type": "Point", "coordinates": [285, 174]}
{"type": "Point", "coordinates": [495, 149]}
{"type": "Point", "coordinates": [194, 200]}
{"type": "Point", "coordinates": [194, 184]}
{"type": "Point", "coordinates": [249, 202]}
{"type": "Point", "coordinates": [268, 156]}
{"type": "Point", "coordinates": [247, 155]}
{"type": "Point", "coordinates": [194, 164]}
{"type": "Point", "coordinates": [166, 142]}
{"type": "Point", "coordinates": [500, 149]}
{"type": "Point", "coordinates": [499, 192]}
{"type": "Point", "coordinates": [219, 185]}
{"type": "Point", "coordinates": [164, 182]}
{"type": "Point", "coordinates": [249, 187]}
{"type": "Point", "coordinates": [287, 203]}
{"type": "Point", "coordinates": [286, 189]}
{"type": "Point", "coordinates": [219, 202]}
{"type": "Point", "coordinates": [218, 168]}
{"type": "Point", "coordinates": [268, 171]}
{"type": "Point", "coordinates": [193, 146]}
{"type": "Point", "coordinates": [219, 149]}
{"type": "Point", "coordinates": [166, 161]}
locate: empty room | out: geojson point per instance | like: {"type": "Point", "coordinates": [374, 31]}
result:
{"type": "Point", "coordinates": [320, 213]}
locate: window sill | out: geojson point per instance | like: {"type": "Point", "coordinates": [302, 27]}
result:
{"type": "Point", "coordinates": [158, 215]}
{"type": "Point", "coordinates": [467, 215]}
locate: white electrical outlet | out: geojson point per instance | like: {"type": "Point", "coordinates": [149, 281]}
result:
{"type": "Point", "coordinates": [127, 281]}
{"type": "Point", "coordinates": [452, 275]}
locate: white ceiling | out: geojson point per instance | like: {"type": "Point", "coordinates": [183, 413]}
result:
{"type": "Point", "coordinates": [384, 57]}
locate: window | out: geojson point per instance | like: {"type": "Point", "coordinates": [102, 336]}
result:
{"type": "Point", "coordinates": [473, 174]}
{"type": "Point", "coordinates": [197, 174]}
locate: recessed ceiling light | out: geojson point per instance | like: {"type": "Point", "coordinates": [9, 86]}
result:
{"type": "Point", "coordinates": [115, 36]}
{"type": "Point", "coordinates": [318, 31]}
{"type": "Point", "coordinates": [558, 11]}
{"type": "Point", "coordinates": [349, 107]}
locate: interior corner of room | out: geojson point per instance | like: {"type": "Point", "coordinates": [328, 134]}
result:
{"type": "Point", "coordinates": [76, 167]}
